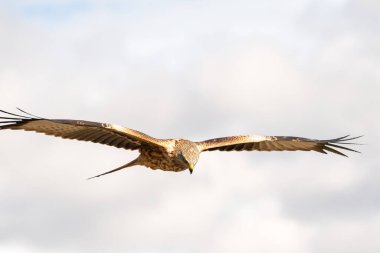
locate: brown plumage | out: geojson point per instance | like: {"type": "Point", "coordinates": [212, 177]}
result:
{"type": "Point", "coordinates": [164, 154]}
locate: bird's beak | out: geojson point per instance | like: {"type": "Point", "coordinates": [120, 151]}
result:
{"type": "Point", "coordinates": [191, 168]}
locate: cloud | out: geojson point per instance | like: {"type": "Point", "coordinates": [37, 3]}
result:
{"type": "Point", "coordinates": [194, 70]}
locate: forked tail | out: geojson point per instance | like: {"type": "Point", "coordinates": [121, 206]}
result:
{"type": "Point", "coordinates": [132, 163]}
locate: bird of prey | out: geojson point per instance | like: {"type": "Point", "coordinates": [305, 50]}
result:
{"type": "Point", "coordinates": [164, 154]}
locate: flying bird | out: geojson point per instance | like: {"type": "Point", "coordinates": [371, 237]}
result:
{"type": "Point", "coordinates": [164, 154]}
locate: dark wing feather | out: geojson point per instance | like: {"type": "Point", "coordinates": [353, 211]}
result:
{"type": "Point", "coordinates": [103, 133]}
{"type": "Point", "coordinates": [276, 143]}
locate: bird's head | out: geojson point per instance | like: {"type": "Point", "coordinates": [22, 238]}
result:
{"type": "Point", "coordinates": [187, 155]}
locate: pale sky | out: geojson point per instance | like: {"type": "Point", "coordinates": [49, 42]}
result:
{"type": "Point", "coordinates": [195, 70]}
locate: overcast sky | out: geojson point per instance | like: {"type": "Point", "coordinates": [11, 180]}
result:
{"type": "Point", "coordinates": [197, 70]}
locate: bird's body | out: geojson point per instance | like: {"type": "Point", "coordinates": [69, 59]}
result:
{"type": "Point", "coordinates": [168, 159]}
{"type": "Point", "coordinates": [163, 154]}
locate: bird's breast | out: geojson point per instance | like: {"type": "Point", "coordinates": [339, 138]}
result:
{"type": "Point", "coordinates": [158, 159]}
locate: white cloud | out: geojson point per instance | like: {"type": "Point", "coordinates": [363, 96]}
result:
{"type": "Point", "coordinates": [207, 69]}
{"type": "Point", "coordinates": [261, 227]}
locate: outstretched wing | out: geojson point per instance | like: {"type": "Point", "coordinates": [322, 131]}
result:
{"type": "Point", "coordinates": [276, 143]}
{"type": "Point", "coordinates": [103, 133]}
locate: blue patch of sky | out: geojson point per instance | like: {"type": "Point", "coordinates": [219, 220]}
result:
{"type": "Point", "coordinates": [58, 11]}
{"type": "Point", "coordinates": [54, 11]}
{"type": "Point", "coordinates": [49, 11]}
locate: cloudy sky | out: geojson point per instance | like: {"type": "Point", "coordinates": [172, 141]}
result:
{"type": "Point", "coordinates": [191, 69]}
